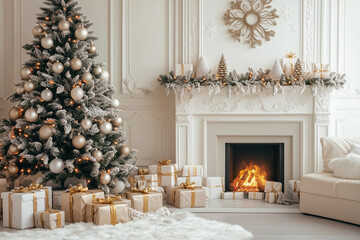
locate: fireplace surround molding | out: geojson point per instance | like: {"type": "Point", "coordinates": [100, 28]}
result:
{"type": "Point", "coordinates": [205, 123]}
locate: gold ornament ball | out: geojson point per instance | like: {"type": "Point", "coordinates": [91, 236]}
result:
{"type": "Point", "coordinates": [105, 76]}
{"type": "Point", "coordinates": [81, 33]}
{"type": "Point", "coordinates": [57, 165]}
{"type": "Point", "coordinates": [117, 121]}
{"type": "Point", "coordinates": [13, 169]}
{"type": "Point", "coordinates": [25, 73]}
{"type": "Point", "coordinates": [86, 77]}
{"type": "Point", "coordinates": [37, 31]}
{"type": "Point", "coordinates": [46, 95]}
{"type": "Point", "coordinates": [15, 113]}
{"type": "Point", "coordinates": [63, 25]}
{"type": "Point", "coordinates": [31, 115]}
{"type": "Point", "coordinates": [92, 48]}
{"type": "Point", "coordinates": [45, 132]}
{"type": "Point", "coordinates": [125, 150]}
{"type": "Point", "coordinates": [97, 70]}
{"type": "Point", "coordinates": [47, 42]}
{"type": "Point", "coordinates": [115, 103]}
{"type": "Point", "coordinates": [105, 178]}
{"type": "Point", "coordinates": [75, 64]}
{"type": "Point", "coordinates": [29, 86]}
{"type": "Point", "coordinates": [105, 128]}
{"type": "Point", "coordinates": [20, 90]}
{"type": "Point", "coordinates": [77, 93]}
{"type": "Point", "coordinates": [119, 186]}
{"type": "Point", "coordinates": [97, 154]}
{"type": "Point", "coordinates": [57, 67]}
{"type": "Point", "coordinates": [13, 149]}
{"type": "Point", "coordinates": [79, 141]}
{"type": "Point", "coordinates": [86, 124]}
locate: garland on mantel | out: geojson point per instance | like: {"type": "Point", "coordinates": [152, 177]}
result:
{"type": "Point", "coordinates": [248, 83]}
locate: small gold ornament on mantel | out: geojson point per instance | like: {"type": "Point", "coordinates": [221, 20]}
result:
{"type": "Point", "coordinates": [222, 68]}
{"type": "Point", "coordinates": [288, 63]}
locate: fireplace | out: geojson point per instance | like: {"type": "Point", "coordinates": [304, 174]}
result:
{"type": "Point", "coordinates": [253, 162]}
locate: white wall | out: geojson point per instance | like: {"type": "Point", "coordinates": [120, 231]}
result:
{"type": "Point", "coordinates": [139, 39]}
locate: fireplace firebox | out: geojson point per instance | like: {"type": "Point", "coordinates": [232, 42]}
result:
{"type": "Point", "coordinates": [266, 157]}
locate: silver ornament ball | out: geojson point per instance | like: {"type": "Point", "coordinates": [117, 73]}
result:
{"type": "Point", "coordinates": [15, 113]}
{"type": "Point", "coordinates": [20, 90]}
{"type": "Point", "coordinates": [105, 178]}
{"type": "Point", "coordinates": [63, 25]}
{"type": "Point", "coordinates": [115, 103]}
{"type": "Point", "coordinates": [97, 154]}
{"type": "Point", "coordinates": [97, 70]}
{"type": "Point", "coordinates": [25, 73]}
{"type": "Point", "coordinates": [117, 121]}
{"type": "Point", "coordinates": [79, 141]}
{"type": "Point", "coordinates": [86, 77]}
{"type": "Point", "coordinates": [57, 165]}
{"type": "Point", "coordinates": [81, 33]}
{"type": "Point", "coordinates": [75, 64]}
{"type": "Point", "coordinates": [86, 124]}
{"type": "Point", "coordinates": [77, 93]}
{"type": "Point", "coordinates": [31, 115]}
{"type": "Point", "coordinates": [37, 31]}
{"type": "Point", "coordinates": [46, 95]}
{"type": "Point", "coordinates": [125, 150]}
{"type": "Point", "coordinates": [92, 48]}
{"type": "Point", "coordinates": [105, 76]}
{"type": "Point", "coordinates": [58, 67]}
{"type": "Point", "coordinates": [105, 128]}
{"type": "Point", "coordinates": [13, 169]}
{"type": "Point", "coordinates": [119, 186]}
{"type": "Point", "coordinates": [47, 42]}
{"type": "Point", "coordinates": [13, 149]}
{"type": "Point", "coordinates": [29, 86]}
{"type": "Point", "coordinates": [45, 132]}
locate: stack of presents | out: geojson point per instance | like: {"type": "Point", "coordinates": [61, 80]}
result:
{"type": "Point", "coordinates": [151, 188]}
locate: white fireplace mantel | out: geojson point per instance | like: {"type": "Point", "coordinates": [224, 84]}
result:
{"type": "Point", "coordinates": [205, 123]}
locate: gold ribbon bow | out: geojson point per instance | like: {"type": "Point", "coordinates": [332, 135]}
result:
{"type": "Point", "coordinates": [76, 189]}
{"type": "Point", "coordinates": [164, 162]}
{"type": "Point", "coordinates": [143, 171]}
{"type": "Point", "coordinates": [50, 211]}
{"type": "Point", "coordinates": [35, 186]}
{"type": "Point", "coordinates": [20, 189]}
{"type": "Point", "coordinates": [108, 200]}
{"type": "Point", "coordinates": [189, 185]}
{"type": "Point", "coordinates": [143, 191]}
{"type": "Point", "coordinates": [290, 55]}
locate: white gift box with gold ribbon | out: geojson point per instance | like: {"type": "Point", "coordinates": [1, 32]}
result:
{"type": "Point", "coordinates": [183, 69]}
{"type": "Point", "coordinates": [192, 170]}
{"type": "Point", "coordinates": [232, 195]}
{"type": "Point", "coordinates": [215, 185]}
{"type": "Point", "coordinates": [50, 219]}
{"type": "Point", "coordinates": [19, 208]}
{"type": "Point", "coordinates": [185, 198]}
{"type": "Point", "coordinates": [272, 190]}
{"type": "Point", "coordinates": [207, 193]}
{"type": "Point", "coordinates": [321, 70]}
{"type": "Point", "coordinates": [188, 180]}
{"type": "Point", "coordinates": [166, 173]}
{"type": "Point", "coordinates": [149, 178]}
{"type": "Point", "coordinates": [145, 202]}
{"type": "Point", "coordinates": [256, 195]}
{"type": "Point", "coordinates": [48, 193]}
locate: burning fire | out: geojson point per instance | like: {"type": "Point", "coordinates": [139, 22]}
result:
{"type": "Point", "coordinates": [250, 179]}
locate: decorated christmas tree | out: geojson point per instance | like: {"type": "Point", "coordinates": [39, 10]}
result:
{"type": "Point", "coordinates": [298, 70]}
{"type": "Point", "coordinates": [66, 121]}
{"type": "Point", "coordinates": [222, 68]}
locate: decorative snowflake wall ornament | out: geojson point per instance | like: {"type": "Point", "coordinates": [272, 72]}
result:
{"type": "Point", "coordinates": [249, 18]}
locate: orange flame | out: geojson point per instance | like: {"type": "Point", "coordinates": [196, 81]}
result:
{"type": "Point", "coordinates": [250, 179]}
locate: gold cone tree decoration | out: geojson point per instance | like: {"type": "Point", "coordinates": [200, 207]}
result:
{"type": "Point", "coordinates": [222, 68]}
{"type": "Point", "coordinates": [298, 72]}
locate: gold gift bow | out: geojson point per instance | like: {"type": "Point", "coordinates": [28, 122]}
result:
{"type": "Point", "coordinates": [144, 193]}
{"type": "Point", "coordinates": [143, 171]}
{"type": "Point", "coordinates": [50, 211]}
{"type": "Point", "coordinates": [35, 186]}
{"type": "Point", "coordinates": [110, 201]}
{"type": "Point", "coordinates": [321, 71]}
{"type": "Point", "coordinates": [192, 186]}
{"type": "Point", "coordinates": [160, 173]}
{"type": "Point", "coordinates": [76, 189]}
{"type": "Point", "coordinates": [21, 189]}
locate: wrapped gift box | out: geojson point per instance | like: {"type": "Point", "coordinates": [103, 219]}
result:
{"type": "Point", "coordinates": [271, 197]}
{"type": "Point", "coordinates": [321, 70]}
{"type": "Point", "coordinates": [292, 192]}
{"type": "Point", "coordinates": [273, 186]}
{"type": "Point", "coordinates": [3, 188]}
{"type": "Point", "coordinates": [207, 193]}
{"type": "Point", "coordinates": [188, 180]}
{"type": "Point", "coordinates": [50, 219]}
{"type": "Point", "coordinates": [215, 185]}
{"type": "Point", "coordinates": [232, 195]}
{"type": "Point", "coordinates": [73, 202]}
{"type": "Point", "coordinates": [19, 206]}
{"type": "Point", "coordinates": [186, 198]}
{"type": "Point", "coordinates": [166, 173]}
{"type": "Point", "coordinates": [102, 213]}
{"type": "Point", "coordinates": [192, 170]}
{"type": "Point", "coordinates": [145, 202]}
{"type": "Point", "coordinates": [48, 193]}
{"type": "Point", "coordinates": [183, 69]}
{"type": "Point", "coordinates": [256, 195]}
{"type": "Point", "coordinates": [151, 180]}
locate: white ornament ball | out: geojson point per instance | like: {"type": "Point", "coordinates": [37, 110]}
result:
{"type": "Point", "coordinates": [81, 33]}
{"type": "Point", "coordinates": [105, 76]}
{"type": "Point", "coordinates": [25, 73]}
{"type": "Point", "coordinates": [105, 128]}
{"type": "Point", "coordinates": [31, 115]}
{"type": "Point", "coordinates": [92, 48]}
{"type": "Point", "coordinates": [79, 141]}
{"type": "Point", "coordinates": [57, 165]}
{"type": "Point", "coordinates": [20, 90]}
{"type": "Point", "coordinates": [105, 178]}
{"type": "Point", "coordinates": [115, 103]}
{"type": "Point", "coordinates": [45, 132]}
{"type": "Point", "coordinates": [15, 113]}
{"type": "Point", "coordinates": [58, 67]}
{"type": "Point", "coordinates": [97, 154]}
{"type": "Point", "coordinates": [47, 42]}
{"type": "Point", "coordinates": [13, 149]}
{"type": "Point", "coordinates": [119, 186]}
{"type": "Point", "coordinates": [46, 95]}
{"type": "Point", "coordinates": [13, 169]}
{"type": "Point", "coordinates": [97, 70]}
{"type": "Point", "coordinates": [117, 121]}
{"type": "Point", "coordinates": [29, 86]}
{"type": "Point", "coordinates": [75, 64]}
{"type": "Point", "coordinates": [125, 150]}
{"type": "Point", "coordinates": [37, 31]}
{"type": "Point", "coordinates": [86, 124]}
{"type": "Point", "coordinates": [63, 25]}
{"type": "Point", "coordinates": [86, 77]}
{"type": "Point", "coordinates": [77, 93]}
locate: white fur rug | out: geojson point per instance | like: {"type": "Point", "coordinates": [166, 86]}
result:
{"type": "Point", "coordinates": [177, 225]}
